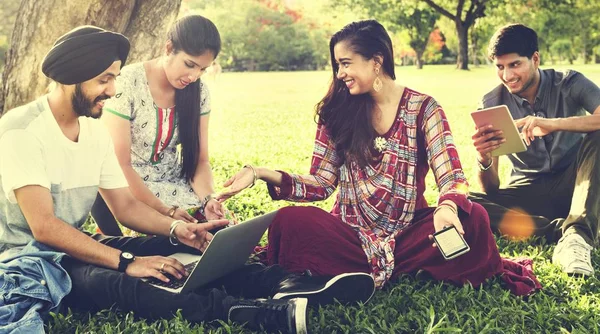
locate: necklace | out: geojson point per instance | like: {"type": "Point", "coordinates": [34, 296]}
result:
{"type": "Point", "coordinates": [380, 143]}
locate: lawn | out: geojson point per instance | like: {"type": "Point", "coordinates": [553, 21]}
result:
{"type": "Point", "coordinates": [267, 119]}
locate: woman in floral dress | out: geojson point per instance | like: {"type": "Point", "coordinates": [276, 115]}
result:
{"type": "Point", "coordinates": [158, 120]}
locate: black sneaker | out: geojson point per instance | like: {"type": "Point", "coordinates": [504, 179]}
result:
{"type": "Point", "coordinates": [345, 288]}
{"type": "Point", "coordinates": [287, 316]}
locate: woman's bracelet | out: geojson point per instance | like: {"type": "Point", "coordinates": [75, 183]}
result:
{"type": "Point", "coordinates": [172, 237]}
{"type": "Point", "coordinates": [172, 210]}
{"type": "Point", "coordinates": [442, 205]}
{"type": "Point", "coordinates": [255, 175]}
{"type": "Point", "coordinates": [203, 204]}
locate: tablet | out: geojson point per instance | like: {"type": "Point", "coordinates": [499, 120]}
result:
{"type": "Point", "coordinates": [500, 118]}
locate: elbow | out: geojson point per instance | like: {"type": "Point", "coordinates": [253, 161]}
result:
{"type": "Point", "coordinates": [41, 231]}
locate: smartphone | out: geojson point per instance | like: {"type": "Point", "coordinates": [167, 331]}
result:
{"type": "Point", "coordinates": [450, 242]}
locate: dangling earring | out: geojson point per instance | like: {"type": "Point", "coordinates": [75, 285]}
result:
{"type": "Point", "coordinates": [377, 84]}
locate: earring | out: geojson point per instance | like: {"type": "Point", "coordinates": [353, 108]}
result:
{"type": "Point", "coordinates": [377, 84]}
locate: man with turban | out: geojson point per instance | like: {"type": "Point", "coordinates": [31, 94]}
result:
{"type": "Point", "coordinates": [55, 157]}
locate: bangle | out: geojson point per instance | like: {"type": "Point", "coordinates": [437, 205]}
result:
{"type": "Point", "coordinates": [255, 175]}
{"type": "Point", "coordinates": [172, 237]}
{"type": "Point", "coordinates": [203, 203]}
{"type": "Point", "coordinates": [484, 168]}
{"type": "Point", "coordinates": [441, 205]}
{"type": "Point", "coordinates": [172, 210]}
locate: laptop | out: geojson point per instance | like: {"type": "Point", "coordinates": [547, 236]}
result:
{"type": "Point", "coordinates": [229, 250]}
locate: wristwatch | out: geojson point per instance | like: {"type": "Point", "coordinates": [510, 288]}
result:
{"type": "Point", "coordinates": [124, 260]}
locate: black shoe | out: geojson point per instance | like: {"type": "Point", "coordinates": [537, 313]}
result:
{"type": "Point", "coordinates": [287, 316]}
{"type": "Point", "coordinates": [345, 288]}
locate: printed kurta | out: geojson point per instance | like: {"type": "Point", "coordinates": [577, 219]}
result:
{"type": "Point", "coordinates": [380, 200]}
{"type": "Point", "coordinates": [154, 136]}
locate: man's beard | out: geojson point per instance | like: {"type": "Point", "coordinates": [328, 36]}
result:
{"type": "Point", "coordinates": [82, 104]}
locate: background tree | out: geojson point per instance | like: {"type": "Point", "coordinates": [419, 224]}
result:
{"type": "Point", "coordinates": [418, 20]}
{"type": "Point", "coordinates": [39, 23]}
{"type": "Point", "coordinates": [463, 20]}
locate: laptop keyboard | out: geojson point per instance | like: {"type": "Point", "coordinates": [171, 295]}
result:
{"type": "Point", "coordinates": [174, 283]}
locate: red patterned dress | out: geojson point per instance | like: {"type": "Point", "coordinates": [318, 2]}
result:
{"type": "Point", "coordinates": [380, 221]}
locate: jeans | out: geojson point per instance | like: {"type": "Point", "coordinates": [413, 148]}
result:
{"type": "Point", "coordinates": [567, 202]}
{"type": "Point", "coordinates": [96, 288]}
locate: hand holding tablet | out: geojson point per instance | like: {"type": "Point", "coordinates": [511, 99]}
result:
{"type": "Point", "coordinates": [497, 131]}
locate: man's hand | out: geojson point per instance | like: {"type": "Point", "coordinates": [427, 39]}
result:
{"type": "Point", "coordinates": [197, 235]}
{"type": "Point", "coordinates": [155, 266]}
{"type": "Point", "coordinates": [533, 126]}
{"type": "Point", "coordinates": [485, 140]}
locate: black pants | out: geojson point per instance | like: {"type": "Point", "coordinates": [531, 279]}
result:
{"type": "Point", "coordinates": [104, 218]}
{"type": "Point", "coordinates": [554, 203]}
{"type": "Point", "coordinates": [96, 288]}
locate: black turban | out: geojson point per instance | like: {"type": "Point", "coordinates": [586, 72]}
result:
{"type": "Point", "coordinates": [83, 53]}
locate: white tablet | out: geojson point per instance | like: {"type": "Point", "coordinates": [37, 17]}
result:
{"type": "Point", "coordinates": [501, 119]}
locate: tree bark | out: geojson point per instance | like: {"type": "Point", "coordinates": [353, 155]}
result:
{"type": "Point", "coordinates": [462, 61]}
{"type": "Point", "coordinates": [40, 23]}
{"type": "Point", "coordinates": [419, 62]}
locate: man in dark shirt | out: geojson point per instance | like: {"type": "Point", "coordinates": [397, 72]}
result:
{"type": "Point", "coordinates": [554, 186]}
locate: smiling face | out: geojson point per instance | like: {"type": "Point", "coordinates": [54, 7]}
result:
{"type": "Point", "coordinates": [519, 74]}
{"type": "Point", "coordinates": [88, 97]}
{"type": "Point", "coordinates": [354, 70]}
{"type": "Point", "coordinates": [182, 69]}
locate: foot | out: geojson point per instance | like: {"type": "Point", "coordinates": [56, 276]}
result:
{"type": "Point", "coordinates": [573, 255]}
{"type": "Point", "coordinates": [286, 316]}
{"type": "Point", "coordinates": [345, 288]}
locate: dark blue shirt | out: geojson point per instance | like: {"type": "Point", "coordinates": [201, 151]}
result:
{"type": "Point", "coordinates": [560, 94]}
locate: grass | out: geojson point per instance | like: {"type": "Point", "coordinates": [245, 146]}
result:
{"type": "Point", "coordinates": [267, 119]}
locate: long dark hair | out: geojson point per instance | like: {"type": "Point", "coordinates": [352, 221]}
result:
{"type": "Point", "coordinates": [194, 35]}
{"type": "Point", "coordinates": [347, 117]}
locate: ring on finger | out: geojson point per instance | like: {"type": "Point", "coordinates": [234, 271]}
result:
{"type": "Point", "coordinates": [162, 267]}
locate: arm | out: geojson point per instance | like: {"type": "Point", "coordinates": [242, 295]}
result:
{"type": "Point", "coordinates": [119, 129]}
{"type": "Point", "coordinates": [485, 141]}
{"type": "Point", "coordinates": [578, 88]}
{"type": "Point", "coordinates": [37, 207]}
{"type": "Point", "coordinates": [202, 182]}
{"type": "Point", "coordinates": [443, 157]}
{"type": "Point", "coordinates": [318, 185]}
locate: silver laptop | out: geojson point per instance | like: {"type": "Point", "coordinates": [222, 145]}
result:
{"type": "Point", "coordinates": [229, 250]}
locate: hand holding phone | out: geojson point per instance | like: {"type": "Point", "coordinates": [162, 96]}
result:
{"type": "Point", "coordinates": [450, 243]}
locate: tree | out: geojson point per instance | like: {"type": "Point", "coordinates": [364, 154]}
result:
{"type": "Point", "coordinates": [417, 20]}
{"type": "Point", "coordinates": [463, 20]}
{"type": "Point", "coordinates": [144, 22]}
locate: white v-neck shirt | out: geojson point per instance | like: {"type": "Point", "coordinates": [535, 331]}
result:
{"type": "Point", "coordinates": [34, 151]}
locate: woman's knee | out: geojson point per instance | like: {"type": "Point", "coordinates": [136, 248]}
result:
{"type": "Point", "coordinates": [477, 219]}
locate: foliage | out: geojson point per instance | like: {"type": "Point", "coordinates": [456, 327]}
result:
{"type": "Point", "coordinates": [265, 35]}
{"type": "Point", "coordinates": [417, 20]}
{"type": "Point", "coordinates": [266, 119]}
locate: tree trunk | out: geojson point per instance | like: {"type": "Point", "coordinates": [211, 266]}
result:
{"type": "Point", "coordinates": [462, 61]}
{"type": "Point", "coordinates": [40, 23]}
{"type": "Point", "coordinates": [419, 61]}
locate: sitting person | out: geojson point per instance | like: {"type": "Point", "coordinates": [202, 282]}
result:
{"type": "Point", "coordinates": [375, 142]}
{"type": "Point", "coordinates": [158, 120]}
{"type": "Point", "coordinates": [55, 157]}
{"type": "Point", "coordinates": [554, 186]}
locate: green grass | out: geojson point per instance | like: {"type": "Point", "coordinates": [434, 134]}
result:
{"type": "Point", "coordinates": [267, 119]}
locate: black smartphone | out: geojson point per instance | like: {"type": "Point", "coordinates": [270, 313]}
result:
{"type": "Point", "coordinates": [450, 242]}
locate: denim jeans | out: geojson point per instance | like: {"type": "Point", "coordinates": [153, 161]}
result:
{"type": "Point", "coordinates": [556, 204]}
{"type": "Point", "coordinates": [96, 288]}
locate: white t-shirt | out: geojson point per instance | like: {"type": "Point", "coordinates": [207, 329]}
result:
{"type": "Point", "coordinates": [34, 151]}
